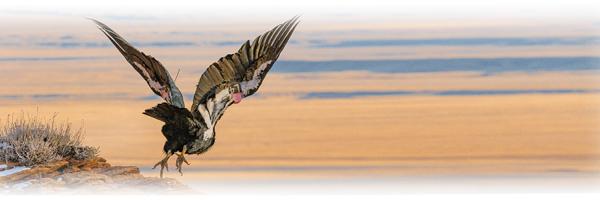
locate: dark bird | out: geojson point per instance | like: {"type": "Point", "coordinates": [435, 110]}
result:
{"type": "Point", "coordinates": [224, 83]}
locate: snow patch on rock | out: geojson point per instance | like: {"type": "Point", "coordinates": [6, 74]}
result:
{"type": "Point", "coordinates": [13, 170]}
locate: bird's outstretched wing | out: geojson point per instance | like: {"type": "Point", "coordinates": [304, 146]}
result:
{"type": "Point", "coordinates": [155, 74]}
{"type": "Point", "coordinates": [243, 71]}
{"type": "Point", "coordinates": [246, 68]}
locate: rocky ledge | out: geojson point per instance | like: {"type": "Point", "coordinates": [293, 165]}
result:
{"type": "Point", "coordinates": [82, 176]}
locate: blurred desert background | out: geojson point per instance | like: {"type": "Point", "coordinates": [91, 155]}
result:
{"type": "Point", "coordinates": [363, 92]}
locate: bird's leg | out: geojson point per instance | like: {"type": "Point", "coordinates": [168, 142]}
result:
{"type": "Point", "coordinates": [163, 163]}
{"type": "Point", "coordinates": [181, 159]}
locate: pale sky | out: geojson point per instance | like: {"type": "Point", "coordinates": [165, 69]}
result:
{"type": "Point", "coordinates": [329, 10]}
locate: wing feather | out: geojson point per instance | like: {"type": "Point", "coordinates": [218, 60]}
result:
{"type": "Point", "coordinates": [248, 65]}
{"type": "Point", "coordinates": [153, 72]}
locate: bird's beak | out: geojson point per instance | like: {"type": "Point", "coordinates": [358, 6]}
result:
{"type": "Point", "coordinates": [237, 97]}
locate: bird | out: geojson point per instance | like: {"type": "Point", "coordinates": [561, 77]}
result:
{"type": "Point", "coordinates": [224, 83]}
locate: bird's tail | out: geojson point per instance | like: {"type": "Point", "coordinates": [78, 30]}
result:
{"type": "Point", "coordinates": [163, 112]}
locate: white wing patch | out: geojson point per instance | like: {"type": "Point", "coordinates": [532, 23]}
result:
{"type": "Point", "coordinates": [206, 117]}
{"type": "Point", "coordinates": [253, 84]}
{"type": "Point", "coordinates": [212, 109]}
{"type": "Point", "coordinates": [153, 84]}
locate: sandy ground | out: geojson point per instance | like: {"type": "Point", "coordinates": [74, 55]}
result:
{"type": "Point", "coordinates": [379, 142]}
{"type": "Point", "coordinates": [392, 134]}
{"type": "Point", "coordinates": [405, 135]}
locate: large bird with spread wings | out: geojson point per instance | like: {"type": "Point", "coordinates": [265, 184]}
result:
{"type": "Point", "coordinates": [224, 83]}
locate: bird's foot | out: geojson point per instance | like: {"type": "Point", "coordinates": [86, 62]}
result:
{"type": "Point", "coordinates": [163, 163]}
{"type": "Point", "coordinates": [181, 159]}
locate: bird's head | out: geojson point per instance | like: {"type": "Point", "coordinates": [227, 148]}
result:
{"type": "Point", "coordinates": [236, 93]}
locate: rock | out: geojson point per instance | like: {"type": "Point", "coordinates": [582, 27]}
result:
{"type": "Point", "coordinates": [94, 175]}
{"type": "Point", "coordinates": [36, 172]}
{"type": "Point", "coordinates": [119, 170]}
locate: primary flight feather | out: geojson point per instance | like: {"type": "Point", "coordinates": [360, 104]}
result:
{"type": "Point", "coordinates": [225, 82]}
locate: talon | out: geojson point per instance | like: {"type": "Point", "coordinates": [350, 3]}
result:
{"type": "Point", "coordinates": [163, 163]}
{"type": "Point", "coordinates": [181, 159]}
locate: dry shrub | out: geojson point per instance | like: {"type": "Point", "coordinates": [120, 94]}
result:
{"type": "Point", "coordinates": [31, 140]}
